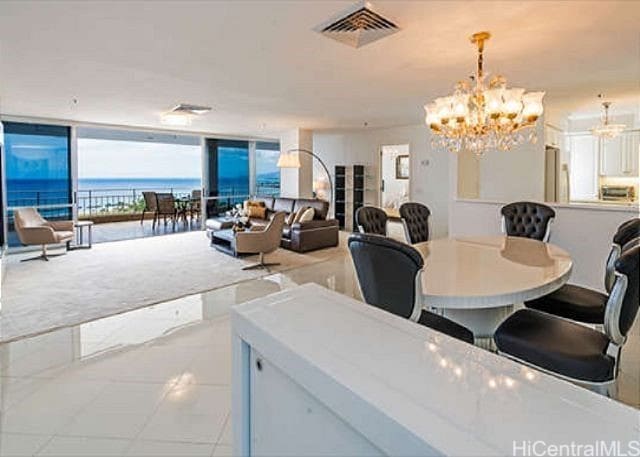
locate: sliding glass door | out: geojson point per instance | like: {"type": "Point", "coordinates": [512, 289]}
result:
{"type": "Point", "coordinates": [38, 171]}
{"type": "Point", "coordinates": [267, 171]}
{"type": "Point", "coordinates": [227, 174]}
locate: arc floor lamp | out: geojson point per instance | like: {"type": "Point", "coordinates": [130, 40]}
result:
{"type": "Point", "coordinates": [290, 159]}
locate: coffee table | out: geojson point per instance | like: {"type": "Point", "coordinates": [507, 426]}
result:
{"type": "Point", "coordinates": [80, 226]}
{"type": "Point", "coordinates": [224, 241]}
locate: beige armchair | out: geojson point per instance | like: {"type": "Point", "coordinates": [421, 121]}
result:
{"type": "Point", "coordinates": [33, 229]}
{"type": "Point", "coordinates": [261, 241]}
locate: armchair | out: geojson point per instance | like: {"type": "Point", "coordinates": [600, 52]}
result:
{"type": "Point", "coordinates": [33, 229]}
{"type": "Point", "coordinates": [261, 241]}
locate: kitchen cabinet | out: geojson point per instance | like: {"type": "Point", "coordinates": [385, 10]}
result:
{"type": "Point", "coordinates": [619, 155]}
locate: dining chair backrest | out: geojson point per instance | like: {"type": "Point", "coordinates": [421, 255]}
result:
{"type": "Point", "coordinates": [150, 201]}
{"type": "Point", "coordinates": [624, 299]}
{"type": "Point", "coordinates": [166, 203]}
{"type": "Point", "coordinates": [371, 220]}
{"type": "Point", "coordinates": [527, 220]}
{"type": "Point", "coordinates": [387, 271]}
{"type": "Point", "coordinates": [626, 232]}
{"type": "Point", "coordinates": [415, 219]}
{"type": "Point", "coordinates": [196, 194]}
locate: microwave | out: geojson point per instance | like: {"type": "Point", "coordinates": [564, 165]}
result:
{"type": "Point", "coordinates": [617, 193]}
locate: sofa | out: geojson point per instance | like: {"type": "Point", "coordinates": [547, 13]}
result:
{"type": "Point", "coordinates": [302, 236]}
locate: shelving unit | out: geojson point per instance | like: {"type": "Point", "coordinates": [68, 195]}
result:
{"type": "Point", "coordinates": [358, 191]}
{"type": "Point", "coordinates": [340, 195]}
{"type": "Point", "coordinates": [351, 188]}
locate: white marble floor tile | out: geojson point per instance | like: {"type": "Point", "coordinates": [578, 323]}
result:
{"type": "Point", "coordinates": [222, 450]}
{"type": "Point", "coordinates": [129, 398]}
{"type": "Point", "coordinates": [143, 448]}
{"type": "Point", "coordinates": [91, 423]}
{"type": "Point", "coordinates": [188, 398]}
{"type": "Point", "coordinates": [191, 428]}
{"type": "Point", "coordinates": [43, 422]}
{"type": "Point", "coordinates": [83, 446]}
{"type": "Point", "coordinates": [212, 367]}
{"type": "Point", "coordinates": [226, 437]}
{"type": "Point", "coordinates": [14, 444]}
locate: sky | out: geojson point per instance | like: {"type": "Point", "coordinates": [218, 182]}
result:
{"type": "Point", "coordinates": [132, 159]}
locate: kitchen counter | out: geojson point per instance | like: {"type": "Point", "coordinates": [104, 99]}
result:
{"type": "Point", "coordinates": [318, 373]}
{"type": "Point", "coordinates": [631, 207]}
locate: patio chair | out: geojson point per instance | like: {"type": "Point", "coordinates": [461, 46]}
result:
{"type": "Point", "coordinates": [195, 208]}
{"type": "Point", "coordinates": [150, 206]}
{"type": "Point", "coordinates": [167, 208]}
{"type": "Point", "coordinates": [33, 229]}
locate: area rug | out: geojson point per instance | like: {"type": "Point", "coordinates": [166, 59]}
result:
{"type": "Point", "coordinates": [115, 277]}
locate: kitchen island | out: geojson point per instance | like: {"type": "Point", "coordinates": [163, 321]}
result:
{"type": "Point", "coordinates": [318, 373]}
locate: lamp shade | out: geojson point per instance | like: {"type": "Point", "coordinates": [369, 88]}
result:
{"type": "Point", "coordinates": [288, 160]}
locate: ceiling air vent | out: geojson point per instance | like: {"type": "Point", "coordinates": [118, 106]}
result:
{"type": "Point", "coordinates": [186, 108]}
{"type": "Point", "coordinates": [358, 25]}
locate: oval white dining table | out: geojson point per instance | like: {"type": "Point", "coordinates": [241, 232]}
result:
{"type": "Point", "coordinates": [476, 281]}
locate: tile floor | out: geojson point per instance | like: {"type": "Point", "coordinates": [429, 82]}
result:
{"type": "Point", "coordinates": [154, 381]}
{"type": "Point", "coordinates": [127, 230]}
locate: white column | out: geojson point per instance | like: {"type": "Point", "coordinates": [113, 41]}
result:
{"type": "Point", "coordinates": [297, 182]}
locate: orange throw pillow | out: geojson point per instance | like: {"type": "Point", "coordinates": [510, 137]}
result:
{"type": "Point", "coordinates": [258, 212]}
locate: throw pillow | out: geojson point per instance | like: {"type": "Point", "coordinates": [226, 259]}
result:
{"type": "Point", "coordinates": [307, 215]}
{"type": "Point", "coordinates": [299, 214]}
{"type": "Point", "coordinates": [258, 212]}
{"type": "Point", "coordinates": [251, 203]}
{"type": "Point", "coordinates": [290, 218]}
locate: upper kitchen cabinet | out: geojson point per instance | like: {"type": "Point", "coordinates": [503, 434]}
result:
{"type": "Point", "coordinates": [619, 156]}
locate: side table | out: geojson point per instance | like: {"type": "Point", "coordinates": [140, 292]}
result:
{"type": "Point", "coordinates": [80, 226]}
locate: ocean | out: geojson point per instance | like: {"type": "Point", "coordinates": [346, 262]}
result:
{"type": "Point", "coordinates": [26, 192]}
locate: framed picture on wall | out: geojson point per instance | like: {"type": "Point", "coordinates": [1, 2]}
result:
{"type": "Point", "coordinates": [402, 167]}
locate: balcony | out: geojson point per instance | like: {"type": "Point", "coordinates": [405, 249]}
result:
{"type": "Point", "coordinates": [117, 213]}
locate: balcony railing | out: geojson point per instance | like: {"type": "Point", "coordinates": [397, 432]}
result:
{"type": "Point", "coordinates": [110, 202]}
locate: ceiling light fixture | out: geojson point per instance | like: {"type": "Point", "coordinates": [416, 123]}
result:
{"type": "Point", "coordinates": [182, 114]}
{"type": "Point", "coordinates": [606, 129]}
{"type": "Point", "coordinates": [479, 117]}
{"type": "Point", "coordinates": [176, 119]}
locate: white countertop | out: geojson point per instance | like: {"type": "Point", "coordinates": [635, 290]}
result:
{"type": "Point", "coordinates": [404, 386]}
{"type": "Point", "coordinates": [632, 207]}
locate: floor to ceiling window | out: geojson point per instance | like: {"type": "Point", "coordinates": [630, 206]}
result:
{"type": "Point", "coordinates": [267, 171]}
{"type": "Point", "coordinates": [228, 172]}
{"type": "Point", "coordinates": [230, 176]}
{"type": "Point", "coordinates": [117, 168]}
{"type": "Point", "coordinates": [38, 171]}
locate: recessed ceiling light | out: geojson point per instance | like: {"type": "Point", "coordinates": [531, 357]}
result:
{"type": "Point", "coordinates": [176, 119]}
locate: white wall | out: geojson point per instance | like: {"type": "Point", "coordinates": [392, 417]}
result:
{"type": "Point", "coordinates": [585, 233]}
{"type": "Point", "coordinates": [517, 174]}
{"type": "Point", "coordinates": [429, 173]}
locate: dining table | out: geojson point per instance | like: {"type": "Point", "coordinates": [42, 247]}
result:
{"type": "Point", "coordinates": [478, 281]}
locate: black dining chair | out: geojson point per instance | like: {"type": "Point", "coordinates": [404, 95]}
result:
{"type": "Point", "coordinates": [571, 350]}
{"type": "Point", "coordinates": [528, 220]}
{"type": "Point", "coordinates": [415, 219]}
{"type": "Point", "coordinates": [389, 273]}
{"type": "Point", "coordinates": [583, 304]}
{"type": "Point", "coordinates": [371, 220]}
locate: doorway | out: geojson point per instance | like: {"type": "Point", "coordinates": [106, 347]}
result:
{"type": "Point", "coordinates": [394, 177]}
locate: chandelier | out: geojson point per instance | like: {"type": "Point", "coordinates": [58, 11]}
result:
{"type": "Point", "coordinates": [606, 129]}
{"type": "Point", "coordinates": [480, 116]}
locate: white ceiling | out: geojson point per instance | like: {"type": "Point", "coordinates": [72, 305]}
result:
{"type": "Point", "coordinates": [263, 68]}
